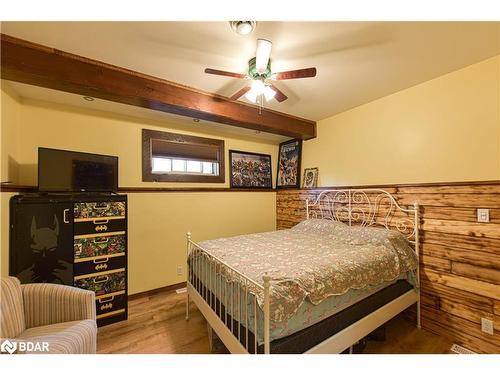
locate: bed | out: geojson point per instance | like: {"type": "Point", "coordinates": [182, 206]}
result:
{"type": "Point", "coordinates": [318, 287]}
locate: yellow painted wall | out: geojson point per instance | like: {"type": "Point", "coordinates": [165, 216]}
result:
{"type": "Point", "coordinates": [157, 221]}
{"type": "Point", "coordinates": [443, 130]}
{"type": "Point", "coordinates": [10, 112]}
{"type": "Point", "coordinates": [10, 108]}
{"type": "Point", "coordinates": [52, 125]}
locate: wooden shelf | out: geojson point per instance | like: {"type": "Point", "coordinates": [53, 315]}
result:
{"type": "Point", "coordinates": [140, 189]}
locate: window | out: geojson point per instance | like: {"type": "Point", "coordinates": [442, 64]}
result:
{"type": "Point", "coordinates": [181, 158]}
{"type": "Point", "coordinates": [170, 165]}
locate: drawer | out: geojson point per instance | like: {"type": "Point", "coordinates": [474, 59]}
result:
{"type": "Point", "coordinates": [91, 246]}
{"type": "Point", "coordinates": [102, 282]}
{"type": "Point", "coordinates": [91, 210]}
{"type": "Point", "coordinates": [85, 266]}
{"type": "Point", "coordinates": [111, 317]}
{"type": "Point", "coordinates": [100, 226]}
{"type": "Point", "coordinates": [111, 303]}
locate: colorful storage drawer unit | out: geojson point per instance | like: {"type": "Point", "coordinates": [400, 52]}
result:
{"type": "Point", "coordinates": [86, 238]}
{"type": "Point", "coordinates": [103, 282]}
{"type": "Point", "coordinates": [89, 246]}
{"type": "Point", "coordinates": [89, 210]}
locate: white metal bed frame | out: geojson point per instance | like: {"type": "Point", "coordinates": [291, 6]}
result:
{"type": "Point", "coordinates": [362, 207]}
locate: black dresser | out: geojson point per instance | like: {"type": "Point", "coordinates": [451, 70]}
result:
{"type": "Point", "coordinates": [78, 240]}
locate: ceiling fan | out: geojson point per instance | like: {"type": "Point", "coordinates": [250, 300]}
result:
{"type": "Point", "coordinates": [261, 75]}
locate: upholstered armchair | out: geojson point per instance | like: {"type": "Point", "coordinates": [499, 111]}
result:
{"type": "Point", "coordinates": [62, 316]}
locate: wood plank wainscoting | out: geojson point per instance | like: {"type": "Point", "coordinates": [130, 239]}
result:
{"type": "Point", "coordinates": [460, 258]}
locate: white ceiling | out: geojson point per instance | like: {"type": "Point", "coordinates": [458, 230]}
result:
{"type": "Point", "coordinates": [357, 62]}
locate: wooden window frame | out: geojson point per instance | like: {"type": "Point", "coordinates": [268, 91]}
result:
{"type": "Point", "coordinates": [147, 170]}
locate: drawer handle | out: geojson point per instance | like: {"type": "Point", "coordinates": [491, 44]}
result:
{"type": "Point", "coordinates": [102, 221]}
{"type": "Point", "coordinates": [108, 299]}
{"type": "Point", "coordinates": [97, 261]}
{"type": "Point", "coordinates": [65, 216]}
{"type": "Point", "coordinates": [100, 206]}
{"type": "Point", "coordinates": [103, 280]}
{"type": "Point", "coordinates": [102, 240]}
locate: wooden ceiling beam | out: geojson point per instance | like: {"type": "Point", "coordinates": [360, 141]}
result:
{"type": "Point", "coordinates": [34, 64]}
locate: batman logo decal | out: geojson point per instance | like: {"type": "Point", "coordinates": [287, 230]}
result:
{"type": "Point", "coordinates": [106, 306]}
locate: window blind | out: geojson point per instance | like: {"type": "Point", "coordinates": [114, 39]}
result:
{"type": "Point", "coordinates": [184, 150]}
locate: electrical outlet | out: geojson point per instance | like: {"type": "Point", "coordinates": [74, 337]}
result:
{"type": "Point", "coordinates": [483, 215]}
{"type": "Point", "coordinates": [179, 270]}
{"type": "Point", "coordinates": [487, 326]}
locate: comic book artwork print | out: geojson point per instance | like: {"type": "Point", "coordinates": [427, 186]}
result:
{"type": "Point", "coordinates": [109, 283]}
{"type": "Point", "coordinates": [86, 210]}
{"type": "Point", "coordinates": [250, 170]}
{"type": "Point", "coordinates": [289, 164]}
{"type": "Point", "coordinates": [99, 246]}
{"type": "Point", "coordinates": [310, 178]}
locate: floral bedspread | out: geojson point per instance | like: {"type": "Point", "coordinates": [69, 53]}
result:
{"type": "Point", "coordinates": [315, 259]}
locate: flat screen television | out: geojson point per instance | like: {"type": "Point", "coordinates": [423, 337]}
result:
{"type": "Point", "coordinates": [70, 171]}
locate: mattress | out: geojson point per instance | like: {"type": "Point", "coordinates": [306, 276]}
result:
{"type": "Point", "coordinates": [307, 338]}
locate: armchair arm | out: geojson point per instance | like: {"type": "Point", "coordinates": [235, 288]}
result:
{"type": "Point", "coordinates": [53, 303]}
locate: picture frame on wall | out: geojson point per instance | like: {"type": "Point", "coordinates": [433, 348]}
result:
{"type": "Point", "coordinates": [250, 170]}
{"type": "Point", "coordinates": [310, 178]}
{"type": "Point", "coordinates": [289, 160]}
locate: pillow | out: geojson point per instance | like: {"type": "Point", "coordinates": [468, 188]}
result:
{"type": "Point", "coordinates": [324, 226]}
{"type": "Point", "coordinates": [378, 236]}
{"type": "Point", "coordinates": [358, 235]}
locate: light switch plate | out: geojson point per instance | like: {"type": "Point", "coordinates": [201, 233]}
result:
{"type": "Point", "coordinates": [487, 326]}
{"type": "Point", "coordinates": [483, 215]}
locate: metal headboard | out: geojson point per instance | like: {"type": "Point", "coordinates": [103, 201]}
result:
{"type": "Point", "coordinates": [366, 207]}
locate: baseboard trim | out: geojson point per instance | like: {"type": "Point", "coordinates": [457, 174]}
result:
{"type": "Point", "coordinates": [151, 292]}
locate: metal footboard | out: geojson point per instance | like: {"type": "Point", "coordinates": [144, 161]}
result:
{"type": "Point", "coordinates": [228, 300]}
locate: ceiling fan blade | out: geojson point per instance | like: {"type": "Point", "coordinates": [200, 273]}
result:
{"type": "Point", "coordinates": [262, 55]}
{"type": "Point", "coordinates": [224, 73]}
{"type": "Point", "coordinates": [292, 74]}
{"type": "Point", "coordinates": [240, 93]}
{"type": "Point", "coordinates": [280, 97]}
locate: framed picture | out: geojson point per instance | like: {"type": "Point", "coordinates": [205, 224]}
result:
{"type": "Point", "coordinates": [250, 170]}
{"type": "Point", "coordinates": [289, 157]}
{"type": "Point", "coordinates": [310, 178]}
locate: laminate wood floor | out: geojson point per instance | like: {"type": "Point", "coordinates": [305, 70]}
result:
{"type": "Point", "coordinates": [157, 324]}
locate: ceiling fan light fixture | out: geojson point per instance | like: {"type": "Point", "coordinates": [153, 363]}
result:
{"type": "Point", "coordinates": [269, 93]}
{"type": "Point", "coordinates": [252, 96]}
{"type": "Point", "coordinates": [262, 55]}
{"type": "Point", "coordinates": [243, 27]}
{"type": "Point", "coordinates": [258, 86]}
